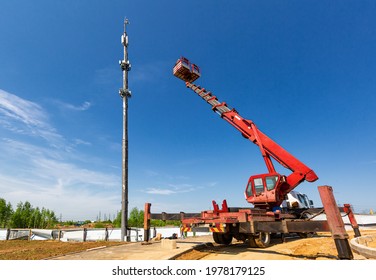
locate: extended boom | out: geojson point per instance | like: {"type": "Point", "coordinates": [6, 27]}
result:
{"type": "Point", "coordinates": [263, 190]}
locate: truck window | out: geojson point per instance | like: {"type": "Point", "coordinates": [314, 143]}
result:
{"type": "Point", "coordinates": [271, 181]}
{"type": "Point", "coordinates": [301, 199]}
{"type": "Point", "coordinates": [259, 187]}
{"type": "Point", "coordinates": [249, 191]}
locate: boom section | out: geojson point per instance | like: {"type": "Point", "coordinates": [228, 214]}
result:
{"type": "Point", "coordinates": [268, 147]}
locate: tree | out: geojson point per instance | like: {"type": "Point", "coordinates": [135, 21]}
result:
{"type": "Point", "coordinates": [136, 218]}
{"type": "Point", "coordinates": [36, 218]}
{"type": "Point", "coordinates": [6, 212]}
{"type": "Point", "coordinates": [117, 220]}
{"type": "Point", "coordinates": [50, 218]}
{"type": "Point", "coordinates": [26, 216]}
{"type": "Point", "coordinates": [21, 216]}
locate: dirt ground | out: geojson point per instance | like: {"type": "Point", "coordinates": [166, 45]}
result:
{"type": "Point", "coordinates": [316, 248]}
{"type": "Point", "coordinates": [39, 250]}
{"type": "Point", "coordinates": [319, 247]}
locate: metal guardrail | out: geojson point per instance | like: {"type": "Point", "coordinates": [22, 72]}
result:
{"type": "Point", "coordinates": [67, 234]}
{"type": "Point", "coordinates": [79, 234]}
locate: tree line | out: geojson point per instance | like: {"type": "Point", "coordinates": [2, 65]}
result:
{"type": "Point", "coordinates": [25, 216]}
{"type": "Point", "coordinates": [136, 219]}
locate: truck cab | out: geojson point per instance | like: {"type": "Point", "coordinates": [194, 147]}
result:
{"type": "Point", "coordinates": [262, 189]}
{"type": "Point", "coordinates": [295, 199]}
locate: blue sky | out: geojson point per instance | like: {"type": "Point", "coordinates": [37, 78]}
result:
{"type": "Point", "coordinates": [303, 71]}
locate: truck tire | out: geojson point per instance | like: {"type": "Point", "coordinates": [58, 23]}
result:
{"type": "Point", "coordinates": [225, 238]}
{"type": "Point", "coordinates": [262, 239]}
{"type": "Point", "coordinates": [222, 238]}
{"type": "Point", "coordinates": [216, 237]}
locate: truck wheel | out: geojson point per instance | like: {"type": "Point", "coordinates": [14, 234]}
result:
{"type": "Point", "coordinates": [225, 238]}
{"type": "Point", "coordinates": [222, 238]}
{"type": "Point", "coordinates": [216, 237]}
{"type": "Point", "coordinates": [262, 239]}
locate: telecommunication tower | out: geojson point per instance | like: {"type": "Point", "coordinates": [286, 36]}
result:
{"type": "Point", "coordinates": [125, 93]}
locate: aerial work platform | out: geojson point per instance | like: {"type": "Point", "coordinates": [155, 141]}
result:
{"type": "Point", "coordinates": [186, 71]}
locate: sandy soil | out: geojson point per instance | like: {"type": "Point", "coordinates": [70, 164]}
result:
{"type": "Point", "coordinates": [320, 247]}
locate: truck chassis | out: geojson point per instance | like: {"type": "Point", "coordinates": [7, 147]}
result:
{"type": "Point", "coordinates": [257, 226]}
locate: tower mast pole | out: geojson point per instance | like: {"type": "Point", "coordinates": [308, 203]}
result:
{"type": "Point", "coordinates": [125, 94]}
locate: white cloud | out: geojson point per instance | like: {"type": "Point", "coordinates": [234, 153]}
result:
{"type": "Point", "coordinates": [173, 189]}
{"type": "Point", "coordinates": [25, 117]}
{"type": "Point", "coordinates": [83, 107]}
{"type": "Point", "coordinates": [159, 191]}
{"type": "Point", "coordinates": [81, 142]}
{"type": "Point", "coordinates": [53, 176]}
{"type": "Point", "coordinates": [72, 175]}
{"type": "Point", "coordinates": [72, 203]}
{"type": "Point", "coordinates": [16, 108]}
{"type": "Point", "coordinates": [56, 184]}
{"type": "Point", "coordinates": [47, 178]}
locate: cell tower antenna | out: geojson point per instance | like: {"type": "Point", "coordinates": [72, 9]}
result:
{"type": "Point", "coordinates": [126, 21]}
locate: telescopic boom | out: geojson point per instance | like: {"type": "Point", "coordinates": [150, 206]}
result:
{"type": "Point", "coordinates": [263, 190]}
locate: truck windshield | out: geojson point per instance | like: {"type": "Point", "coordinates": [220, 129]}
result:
{"type": "Point", "coordinates": [302, 200]}
{"type": "Point", "coordinates": [271, 181]}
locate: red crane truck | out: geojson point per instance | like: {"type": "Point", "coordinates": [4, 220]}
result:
{"type": "Point", "coordinates": [266, 192]}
